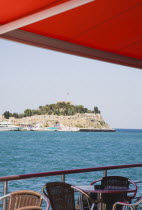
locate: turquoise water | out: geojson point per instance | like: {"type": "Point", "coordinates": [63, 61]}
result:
{"type": "Point", "coordinates": [33, 152]}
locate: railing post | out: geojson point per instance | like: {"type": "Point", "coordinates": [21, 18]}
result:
{"type": "Point", "coordinates": [5, 190]}
{"type": "Point", "coordinates": [63, 178]}
{"type": "Point", "coordinates": [105, 173]}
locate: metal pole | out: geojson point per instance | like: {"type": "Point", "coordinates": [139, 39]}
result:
{"type": "Point", "coordinates": [63, 178]}
{"type": "Point", "coordinates": [5, 190]}
{"type": "Point", "coordinates": [105, 173]}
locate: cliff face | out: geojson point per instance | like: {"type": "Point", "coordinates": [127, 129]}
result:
{"type": "Point", "coordinates": [79, 120]}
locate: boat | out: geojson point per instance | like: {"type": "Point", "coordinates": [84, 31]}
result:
{"type": "Point", "coordinates": [37, 127]}
{"type": "Point", "coordinates": [70, 129]}
{"type": "Point", "coordinates": [51, 129]}
{"type": "Point", "coordinates": [6, 126]}
{"type": "Point", "coordinates": [61, 128]}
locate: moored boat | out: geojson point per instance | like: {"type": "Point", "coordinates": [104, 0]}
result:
{"type": "Point", "coordinates": [70, 129]}
{"type": "Point", "coordinates": [6, 126]}
{"type": "Point", "coordinates": [51, 129]}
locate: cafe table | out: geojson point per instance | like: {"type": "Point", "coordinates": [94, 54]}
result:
{"type": "Point", "coordinates": [99, 193]}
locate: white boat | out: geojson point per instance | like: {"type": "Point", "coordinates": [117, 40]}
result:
{"type": "Point", "coordinates": [37, 127]}
{"type": "Point", "coordinates": [6, 126]}
{"type": "Point", "coordinates": [70, 129]}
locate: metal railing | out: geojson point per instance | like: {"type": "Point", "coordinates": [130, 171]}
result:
{"type": "Point", "coordinates": [63, 174]}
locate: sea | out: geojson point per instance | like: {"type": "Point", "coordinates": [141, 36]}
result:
{"type": "Point", "coordinates": [28, 152]}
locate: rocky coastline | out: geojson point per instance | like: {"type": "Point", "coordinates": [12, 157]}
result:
{"type": "Point", "coordinates": [84, 122]}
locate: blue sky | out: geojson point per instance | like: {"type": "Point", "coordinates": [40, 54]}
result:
{"type": "Point", "coordinates": [30, 77]}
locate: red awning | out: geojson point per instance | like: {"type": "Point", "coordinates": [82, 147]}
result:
{"type": "Point", "coordinates": [99, 29]}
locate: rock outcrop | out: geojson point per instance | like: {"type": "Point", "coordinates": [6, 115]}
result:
{"type": "Point", "coordinates": [87, 120]}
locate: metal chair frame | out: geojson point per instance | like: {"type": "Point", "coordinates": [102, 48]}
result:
{"type": "Point", "coordinates": [125, 205]}
{"type": "Point", "coordinates": [82, 192]}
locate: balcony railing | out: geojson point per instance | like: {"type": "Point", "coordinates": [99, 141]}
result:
{"type": "Point", "coordinates": [5, 180]}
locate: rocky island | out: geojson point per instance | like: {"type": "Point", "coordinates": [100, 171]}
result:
{"type": "Point", "coordinates": [63, 115]}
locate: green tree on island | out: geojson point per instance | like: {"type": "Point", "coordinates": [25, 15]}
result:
{"type": "Point", "coordinates": [28, 112]}
{"type": "Point", "coordinates": [60, 108]}
{"type": "Point", "coordinates": [96, 110]}
{"type": "Point", "coordinates": [6, 114]}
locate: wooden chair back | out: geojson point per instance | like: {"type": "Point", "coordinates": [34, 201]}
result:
{"type": "Point", "coordinates": [24, 198]}
{"type": "Point", "coordinates": [30, 208]}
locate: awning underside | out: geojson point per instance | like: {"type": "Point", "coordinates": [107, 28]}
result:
{"type": "Point", "coordinates": [104, 30]}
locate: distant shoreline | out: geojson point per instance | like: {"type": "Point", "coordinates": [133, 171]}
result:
{"type": "Point", "coordinates": [80, 121]}
{"type": "Point", "coordinates": [96, 130]}
{"type": "Point", "coordinates": [128, 129]}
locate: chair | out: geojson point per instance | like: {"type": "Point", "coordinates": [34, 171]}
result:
{"type": "Point", "coordinates": [125, 205]}
{"type": "Point", "coordinates": [30, 208]}
{"type": "Point", "coordinates": [23, 198]}
{"type": "Point", "coordinates": [115, 182]}
{"type": "Point", "coordinates": [60, 195]}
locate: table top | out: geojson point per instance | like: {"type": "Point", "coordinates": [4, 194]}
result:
{"type": "Point", "coordinates": [91, 188]}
